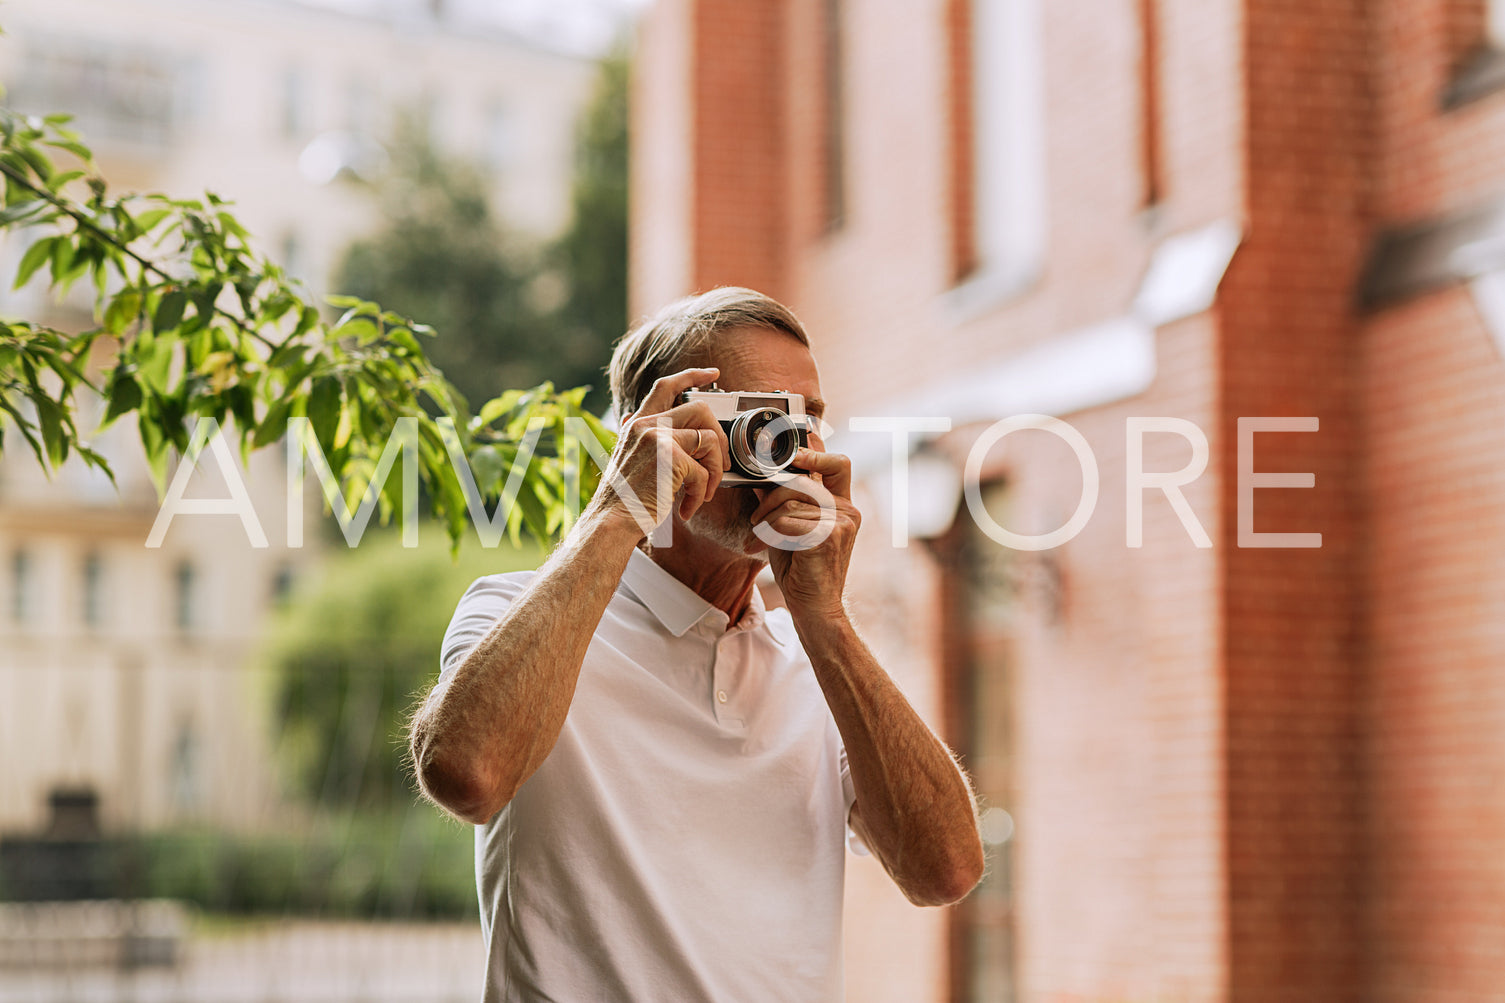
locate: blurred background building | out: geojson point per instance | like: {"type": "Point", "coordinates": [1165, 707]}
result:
{"type": "Point", "coordinates": [120, 660]}
{"type": "Point", "coordinates": [146, 711]}
{"type": "Point", "coordinates": [1212, 771]}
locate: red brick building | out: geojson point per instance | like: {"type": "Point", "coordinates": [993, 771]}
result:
{"type": "Point", "coordinates": [1225, 772]}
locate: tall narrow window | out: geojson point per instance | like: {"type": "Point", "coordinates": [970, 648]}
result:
{"type": "Point", "coordinates": [1006, 98]}
{"type": "Point", "coordinates": [282, 585]}
{"type": "Point", "coordinates": [185, 597]}
{"type": "Point", "coordinates": [293, 104]}
{"type": "Point", "coordinates": [981, 611]}
{"type": "Point", "coordinates": [963, 240]}
{"type": "Point", "coordinates": [360, 109]}
{"type": "Point", "coordinates": [22, 602]}
{"type": "Point", "coordinates": [184, 780]}
{"type": "Point", "coordinates": [93, 591]}
{"type": "Point", "coordinates": [834, 159]}
{"type": "Point", "coordinates": [1149, 103]}
{"type": "Point", "coordinates": [500, 138]}
{"type": "Point", "coordinates": [292, 255]}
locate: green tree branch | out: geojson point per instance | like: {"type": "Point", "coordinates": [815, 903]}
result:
{"type": "Point", "coordinates": [212, 329]}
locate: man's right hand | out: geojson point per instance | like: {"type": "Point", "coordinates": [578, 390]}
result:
{"type": "Point", "coordinates": [665, 451]}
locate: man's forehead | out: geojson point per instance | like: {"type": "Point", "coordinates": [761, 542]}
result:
{"type": "Point", "coordinates": [765, 359]}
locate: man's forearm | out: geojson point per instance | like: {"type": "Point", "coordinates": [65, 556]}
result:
{"type": "Point", "coordinates": [492, 721]}
{"type": "Point", "coordinates": [914, 807]}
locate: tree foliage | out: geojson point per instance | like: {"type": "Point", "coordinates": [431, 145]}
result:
{"type": "Point", "coordinates": [441, 254]}
{"type": "Point", "coordinates": [593, 251]}
{"type": "Point", "coordinates": [509, 312]}
{"type": "Point", "coordinates": [191, 321]}
{"type": "Point", "coordinates": [349, 656]}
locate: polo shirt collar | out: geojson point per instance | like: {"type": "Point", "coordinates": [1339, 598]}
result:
{"type": "Point", "coordinates": [679, 607]}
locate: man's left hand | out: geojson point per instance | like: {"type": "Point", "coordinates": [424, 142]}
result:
{"type": "Point", "coordinates": [812, 578]}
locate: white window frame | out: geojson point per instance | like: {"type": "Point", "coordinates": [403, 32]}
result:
{"type": "Point", "coordinates": [1494, 23]}
{"type": "Point", "coordinates": [1009, 183]}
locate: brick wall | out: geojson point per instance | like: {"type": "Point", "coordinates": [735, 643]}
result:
{"type": "Point", "coordinates": [1435, 434]}
{"type": "Point", "coordinates": [1121, 819]}
{"type": "Point", "coordinates": [1430, 161]}
{"type": "Point", "coordinates": [1244, 774]}
{"type": "Point", "coordinates": [1119, 849]}
{"type": "Point", "coordinates": [1291, 616]}
{"type": "Point", "coordinates": [1432, 393]}
{"type": "Point", "coordinates": [738, 144]}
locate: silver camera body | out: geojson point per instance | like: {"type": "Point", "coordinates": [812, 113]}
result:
{"type": "Point", "coordinates": [765, 428]}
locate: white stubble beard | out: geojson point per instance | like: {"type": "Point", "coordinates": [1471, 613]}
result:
{"type": "Point", "coordinates": [736, 535]}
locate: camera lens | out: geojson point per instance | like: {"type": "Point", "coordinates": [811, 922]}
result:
{"type": "Point", "coordinates": [764, 441]}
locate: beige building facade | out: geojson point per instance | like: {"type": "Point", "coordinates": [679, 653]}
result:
{"type": "Point", "coordinates": [125, 669]}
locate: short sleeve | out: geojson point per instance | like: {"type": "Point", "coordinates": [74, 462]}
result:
{"type": "Point", "coordinates": [478, 611]}
{"type": "Point", "coordinates": [849, 798]}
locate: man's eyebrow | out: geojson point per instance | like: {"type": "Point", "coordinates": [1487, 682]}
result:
{"type": "Point", "coordinates": [815, 406]}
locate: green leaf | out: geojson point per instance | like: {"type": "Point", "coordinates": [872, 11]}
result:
{"type": "Point", "coordinates": [498, 406]}
{"type": "Point", "coordinates": [274, 426]}
{"type": "Point", "coordinates": [277, 306]}
{"type": "Point", "coordinates": [572, 399]}
{"type": "Point", "coordinates": [58, 181]}
{"type": "Point", "coordinates": [26, 430]}
{"type": "Point", "coordinates": [286, 355]}
{"type": "Point", "coordinates": [122, 310]}
{"type": "Point", "coordinates": [154, 360]}
{"type": "Point", "coordinates": [232, 225]}
{"type": "Point", "coordinates": [324, 408]}
{"type": "Point", "coordinates": [79, 150]}
{"type": "Point", "coordinates": [604, 435]}
{"type": "Point", "coordinates": [62, 258]}
{"type": "Point", "coordinates": [125, 395]}
{"type": "Point", "coordinates": [38, 160]}
{"type": "Point", "coordinates": [147, 221]}
{"type": "Point", "coordinates": [245, 289]}
{"type": "Point", "coordinates": [36, 255]}
{"type": "Point", "coordinates": [535, 512]}
{"type": "Point", "coordinates": [18, 212]}
{"type": "Point", "coordinates": [242, 402]}
{"type": "Point", "coordinates": [95, 460]}
{"type": "Point", "coordinates": [50, 418]}
{"type": "Point", "coordinates": [155, 446]}
{"type": "Point", "coordinates": [347, 422]}
{"type": "Point", "coordinates": [404, 338]}
{"type": "Point", "coordinates": [360, 329]}
{"type": "Point", "coordinates": [173, 416]}
{"type": "Point", "coordinates": [204, 298]}
{"type": "Point", "coordinates": [170, 310]}
{"type": "Point", "coordinates": [306, 321]}
{"type": "Point", "coordinates": [487, 465]}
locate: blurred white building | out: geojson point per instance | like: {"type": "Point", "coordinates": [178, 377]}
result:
{"type": "Point", "coordinates": [123, 668]}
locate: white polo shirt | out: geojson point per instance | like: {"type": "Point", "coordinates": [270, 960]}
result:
{"type": "Point", "coordinates": [684, 839]}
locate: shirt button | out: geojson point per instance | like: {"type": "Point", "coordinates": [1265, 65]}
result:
{"type": "Point", "coordinates": [721, 696]}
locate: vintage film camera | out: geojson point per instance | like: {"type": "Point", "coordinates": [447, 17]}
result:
{"type": "Point", "coordinates": [765, 428]}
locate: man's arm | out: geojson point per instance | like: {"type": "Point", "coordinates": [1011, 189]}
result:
{"type": "Point", "coordinates": [914, 807]}
{"type": "Point", "coordinates": [493, 720]}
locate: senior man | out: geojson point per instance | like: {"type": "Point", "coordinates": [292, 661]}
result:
{"type": "Point", "coordinates": [664, 775]}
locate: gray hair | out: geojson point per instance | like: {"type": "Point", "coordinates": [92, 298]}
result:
{"type": "Point", "coordinates": [682, 336]}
